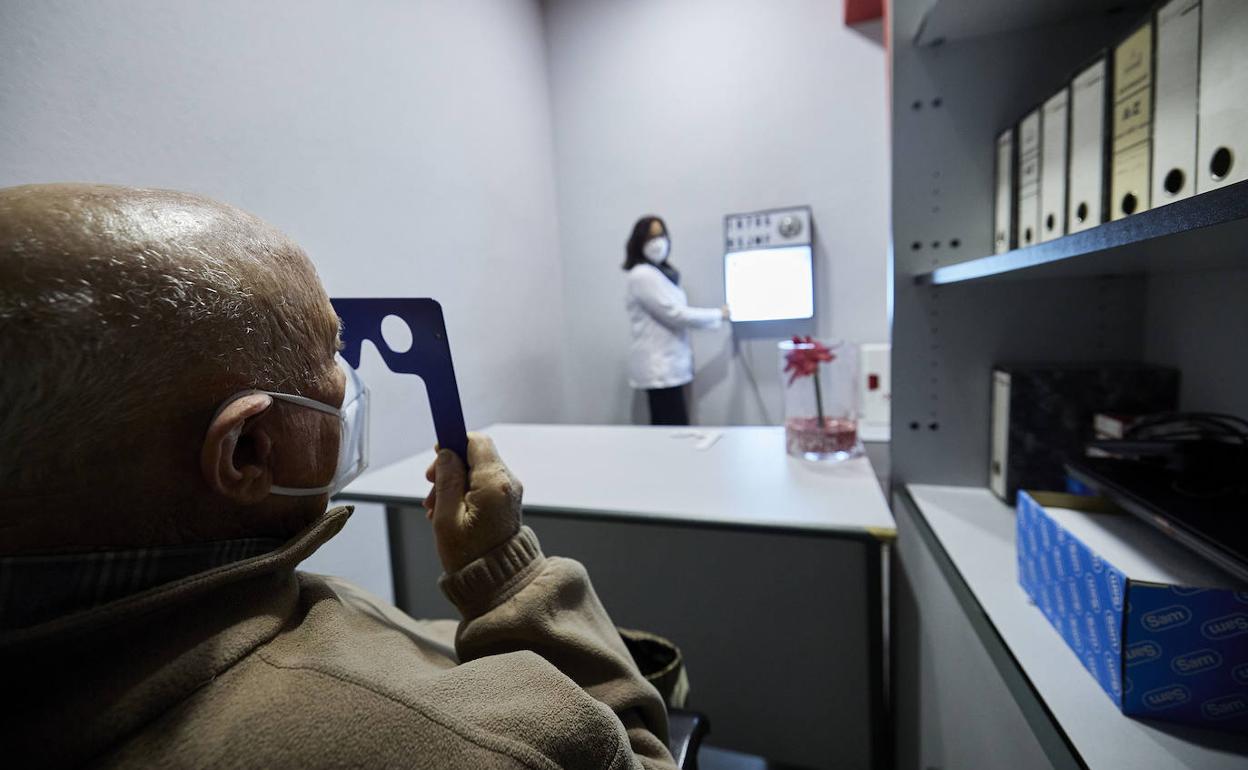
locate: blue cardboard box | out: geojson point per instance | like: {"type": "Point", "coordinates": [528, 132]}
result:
{"type": "Point", "coordinates": [1162, 632]}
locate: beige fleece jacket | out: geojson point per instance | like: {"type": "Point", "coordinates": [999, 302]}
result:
{"type": "Point", "coordinates": [257, 665]}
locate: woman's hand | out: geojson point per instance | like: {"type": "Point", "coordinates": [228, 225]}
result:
{"type": "Point", "coordinates": [468, 525]}
{"type": "Point", "coordinates": [726, 312]}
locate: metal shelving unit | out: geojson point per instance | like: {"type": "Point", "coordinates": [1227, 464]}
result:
{"type": "Point", "coordinates": [1166, 286]}
{"type": "Point", "coordinates": [1204, 232]}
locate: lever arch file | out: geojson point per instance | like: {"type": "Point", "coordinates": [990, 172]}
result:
{"type": "Point", "coordinates": [1029, 179]}
{"type": "Point", "coordinates": [1054, 127]}
{"type": "Point", "coordinates": [1222, 148]}
{"type": "Point", "coordinates": [1132, 124]}
{"type": "Point", "coordinates": [1003, 229]}
{"type": "Point", "coordinates": [1174, 103]}
{"type": "Point", "coordinates": [1088, 101]}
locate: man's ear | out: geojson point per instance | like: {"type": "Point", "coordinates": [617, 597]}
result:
{"type": "Point", "coordinates": [237, 455]}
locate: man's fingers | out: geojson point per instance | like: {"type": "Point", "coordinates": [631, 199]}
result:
{"type": "Point", "coordinates": [431, 475]}
{"type": "Point", "coordinates": [472, 511]}
{"type": "Point", "coordinates": [481, 451]}
{"type": "Point", "coordinates": [488, 468]}
{"type": "Point", "coordinates": [493, 482]}
{"type": "Point", "coordinates": [449, 482]}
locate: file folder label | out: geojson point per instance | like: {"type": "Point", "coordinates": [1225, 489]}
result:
{"type": "Point", "coordinates": [1222, 152]}
{"type": "Point", "coordinates": [1029, 180]}
{"type": "Point", "coordinates": [1053, 128]}
{"type": "Point", "coordinates": [1003, 228]}
{"type": "Point", "coordinates": [1133, 113]}
{"type": "Point", "coordinates": [1087, 148]}
{"type": "Point", "coordinates": [1174, 110]}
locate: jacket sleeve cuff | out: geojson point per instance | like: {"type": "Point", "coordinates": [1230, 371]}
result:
{"type": "Point", "coordinates": [488, 581]}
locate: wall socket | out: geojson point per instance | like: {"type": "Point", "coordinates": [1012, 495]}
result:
{"type": "Point", "coordinates": [875, 384]}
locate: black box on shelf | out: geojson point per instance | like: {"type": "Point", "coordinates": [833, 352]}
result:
{"type": "Point", "coordinates": [1044, 414]}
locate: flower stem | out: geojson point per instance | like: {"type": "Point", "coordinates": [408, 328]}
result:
{"type": "Point", "coordinates": [818, 398]}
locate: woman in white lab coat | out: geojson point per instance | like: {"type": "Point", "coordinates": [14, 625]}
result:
{"type": "Point", "coordinates": [660, 360]}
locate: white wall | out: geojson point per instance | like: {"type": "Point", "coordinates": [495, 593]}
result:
{"type": "Point", "coordinates": [410, 147]}
{"type": "Point", "coordinates": [692, 109]}
{"type": "Point", "coordinates": [406, 146]}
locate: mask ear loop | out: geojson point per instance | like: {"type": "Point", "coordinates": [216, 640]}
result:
{"type": "Point", "coordinates": [303, 401]}
{"type": "Point", "coordinates": [232, 399]}
{"type": "Point", "coordinates": [300, 491]}
{"type": "Point", "coordinates": [291, 397]}
{"type": "Point", "coordinates": [331, 487]}
{"type": "Point", "coordinates": [309, 403]}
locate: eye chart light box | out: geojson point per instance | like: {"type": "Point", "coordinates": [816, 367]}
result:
{"type": "Point", "coordinates": [768, 265]}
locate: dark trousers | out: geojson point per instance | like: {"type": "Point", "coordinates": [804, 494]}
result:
{"type": "Point", "coordinates": [667, 406]}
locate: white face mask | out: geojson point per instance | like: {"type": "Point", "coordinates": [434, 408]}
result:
{"type": "Point", "coordinates": [656, 249]}
{"type": "Point", "coordinates": [353, 420]}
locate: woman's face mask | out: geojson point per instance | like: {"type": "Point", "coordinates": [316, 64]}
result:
{"type": "Point", "coordinates": [656, 249]}
{"type": "Point", "coordinates": [353, 420]}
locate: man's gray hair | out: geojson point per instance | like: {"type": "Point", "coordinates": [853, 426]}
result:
{"type": "Point", "coordinates": [117, 303]}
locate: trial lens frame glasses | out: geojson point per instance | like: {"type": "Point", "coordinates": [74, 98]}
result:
{"type": "Point", "coordinates": [429, 356]}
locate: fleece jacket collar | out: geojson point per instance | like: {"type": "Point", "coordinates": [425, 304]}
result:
{"type": "Point", "coordinates": [94, 676]}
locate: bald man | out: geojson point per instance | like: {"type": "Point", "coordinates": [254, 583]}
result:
{"type": "Point", "coordinates": [164, 356]}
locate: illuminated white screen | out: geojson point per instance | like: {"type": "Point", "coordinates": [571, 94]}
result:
{"type": "Point", "coordinates": [769, 284]}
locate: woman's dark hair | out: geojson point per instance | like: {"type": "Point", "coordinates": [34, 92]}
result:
{"type": "Point", "coordinates": [641, 233]}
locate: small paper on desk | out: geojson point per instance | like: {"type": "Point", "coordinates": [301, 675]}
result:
{"type": "Point", "coordinates": [704, 439]}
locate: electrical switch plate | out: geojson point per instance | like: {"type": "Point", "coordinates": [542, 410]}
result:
{"type": "Point", "coordinates": [875, 384]}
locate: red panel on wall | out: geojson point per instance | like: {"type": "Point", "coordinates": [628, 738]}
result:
{"type": "Point", "coordinates": [863, 10]}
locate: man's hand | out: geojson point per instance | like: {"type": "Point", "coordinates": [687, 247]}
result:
{"type": "Point", "coordinates": [467, 526]}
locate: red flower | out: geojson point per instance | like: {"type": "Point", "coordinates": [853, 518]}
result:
{"type": "Point", "coordinates": [804, 361]}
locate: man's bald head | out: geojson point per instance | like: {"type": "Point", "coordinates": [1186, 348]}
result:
{"type": "Point", "coordinates": [125, 310]}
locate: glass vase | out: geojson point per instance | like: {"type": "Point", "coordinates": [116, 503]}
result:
{"type": "Point", "coordinates": [820, 399]}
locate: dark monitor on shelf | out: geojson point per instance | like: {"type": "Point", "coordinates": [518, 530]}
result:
{"type": "Point", "coordinates": [1210, 519]}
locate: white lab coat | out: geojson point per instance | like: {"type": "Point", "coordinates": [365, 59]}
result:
{"type": "Point", "coordinates": [660, 318]}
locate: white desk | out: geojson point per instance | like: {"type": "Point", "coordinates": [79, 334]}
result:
{"type": "Point", "coordinates": [976, 531]}
{"type": "Point", "coordinates": [764, 569]}
{"type": "Point", "coordinates": [743, 479]}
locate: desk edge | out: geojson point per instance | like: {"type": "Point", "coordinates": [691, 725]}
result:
{"type": "Point", "coordinates": [868, 532]}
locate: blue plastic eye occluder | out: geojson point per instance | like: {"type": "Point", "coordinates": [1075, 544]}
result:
{"type": "Point", "coordinates": [429, 357]}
